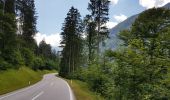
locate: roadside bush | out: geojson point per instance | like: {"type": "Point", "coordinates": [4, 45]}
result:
{"type": "Point", "coordinates": [14, 58]}
{"type": "Point", "coordinates": [81, 74]}
{"type": "Point", "coordinates": [99, 80]}
{"type": "Point", "coordinates": [50, 65]}
{"type": "Point", "coordinates": [44, 64]}
{"type": "Point", "coordinates": [38, 63]}
{"type": "Point", "coordinates": [17, 59]}
{"type": "Point", "coordinates": [28, 57]}
{"type": "Point", "coordinates": [3, 64]}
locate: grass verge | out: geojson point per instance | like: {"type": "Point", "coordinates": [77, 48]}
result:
{"type": "Point", "coordinates": [11, 79]}
{"type": "Point", "coordinates": [82, 91]}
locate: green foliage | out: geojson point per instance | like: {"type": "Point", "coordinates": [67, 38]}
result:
{"type": "Point", "coordinates": [38, 63]}
{"type": "Point", "coordinates": [82, 91]}
{"type": "Point", "coordinates": [71, 43]}
{"type": "Point", "coordinates": [51, 65]}
{"type": "Point", "coordinates": [3, 64]}
{"type": "Point", "coordinates": [142, 65]}
{"type": "Point", "coordinates": [91, 37]}
{"type": "Point", "coordinates": [17, 45]}
{"type": "Point", "coordinates": [139, 70]}
{"type": "Point", "coordinates": [28, 57]}
{"type": "Point", "coordinates": [12, 79]}
{"type": "Point", "coordinates": [99, 12]}
{"type": "Point", "coordinates": [10, 6]}
{"type": "Point", "coordinates": [45, 50]}
{"type": "Point", "coordinates": [28, 18]}
{"type": "Point", "coordinates": [47, 57]}
{"type": "Point", "coordinates": [17, 59]}
{"type": "Point", "coordinates": [98, 78]}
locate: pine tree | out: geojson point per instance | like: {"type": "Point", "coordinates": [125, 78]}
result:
{"type": "Point", "coordinates": [91, 34]}
{"type": "Point", "coordinates": [71, 42]}
{"type": "Point", "coordinates": [8, 40]}
{"type": "Point", "coordinates": [45, 49]}
{"type": "Point", "coordinates": [27, 17]}
{"type": "Point", "coordinates": [99, 11]}
{"type": "Point", "coordinates": [9, 6]}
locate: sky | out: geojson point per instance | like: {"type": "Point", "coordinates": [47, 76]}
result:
{"type": "Point", "coordinates": [51, 14]}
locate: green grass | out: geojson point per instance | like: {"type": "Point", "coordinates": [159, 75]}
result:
{"type": "Point", "coordinates": [11, 79]}
{"type": "Point", "coordinates": [82, 91]}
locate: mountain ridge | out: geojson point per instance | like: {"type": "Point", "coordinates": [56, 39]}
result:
{"type": "Point", "coordinates": [113, 42]}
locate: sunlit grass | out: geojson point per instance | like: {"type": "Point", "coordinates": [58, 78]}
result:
{"type": "Point", "coordinates": [11, 79]}
{"type": "Point", "coordinates": [82, 92]}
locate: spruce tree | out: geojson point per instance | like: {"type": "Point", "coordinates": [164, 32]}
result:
{"type": "Point", "coordinates": [8, 40]}
{"type": "Point", "coordinates": [27, 16]}
{"type": "Point", "coordinates": [99, 11]}
{"type": "Point", "coordinates": [71, 42]}
{"type": "Point", "coordinates": [91, 34]}
{"type": "Point", "coordinates": [9, 6]}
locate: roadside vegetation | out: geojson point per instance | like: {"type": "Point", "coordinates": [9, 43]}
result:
{"type": "Point", "coordinates": [82, 91]}
{"type": "Point", "coordinates": [17, 44]}
{"type": "Point", "coordinates": [137, 70]}
{"type": "Point", "coordinates": [12, 79]}
{"type": "Point", "coordinates": [18, 47]}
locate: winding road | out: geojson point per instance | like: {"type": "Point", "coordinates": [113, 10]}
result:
{"type": "Point", "coordinates": [49, 88]}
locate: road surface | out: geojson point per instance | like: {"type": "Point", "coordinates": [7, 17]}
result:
{"type": "Point", "coordinates": [49, 88]}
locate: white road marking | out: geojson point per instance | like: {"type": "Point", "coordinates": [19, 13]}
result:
{"type": "Point", "coordinates": [19, 91]}
{"type": "Point", "coordinates": [5, 97]}
{"type": "Point", "coordinates": [34, 98]}
{"type": "Point", "coordinates": [8, 95]}
{"type": "Point", "coordinates": [70, 91]}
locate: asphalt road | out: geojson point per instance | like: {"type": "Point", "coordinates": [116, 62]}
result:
{"type": "Point", "coordinates": [49, 88]}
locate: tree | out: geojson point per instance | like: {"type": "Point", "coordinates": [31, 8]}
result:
{"type": "Point", "coordinates": [27, 20]}
{"type": "Point", "coordinates": [143, 64]}
{"type": "Point", "coordinates": [8, 29]}
{"type": "Point", "coordinates": [91, 37]}
{"type": "Point", "coordinates": [71, 42]}
{"type": "Point", "coordinates": [99, 11]}
{"type": "Point", "coordinates": [45, 49]}
{"type": "Point", "coordinates": [9, 6]}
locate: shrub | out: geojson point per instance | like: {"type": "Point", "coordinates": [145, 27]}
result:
{"type": "Point", "coordinates": [28, 56]}
{"type": "Point", "coordinates": [38, 63]}
{"type": "Point", "coordinates": [13, 57]}
{"type": "Point", "coordinates": [3, 64]}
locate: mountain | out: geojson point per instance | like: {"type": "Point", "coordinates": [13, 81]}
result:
{"type": "Point", "coordinates": [113, 42]}
{"type": "Point", "coordinates": [167, 6]}
{"type": "Point", "coordinates": [123, 25]}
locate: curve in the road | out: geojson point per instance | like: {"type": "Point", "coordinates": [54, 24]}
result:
{"type": "Point", "coordinates": [49, 88]}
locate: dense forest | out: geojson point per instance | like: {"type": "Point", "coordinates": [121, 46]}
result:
{"type": "Point", "coordinates": [137, 70]}
{"type": "Point", "coordinates": [17, 44]}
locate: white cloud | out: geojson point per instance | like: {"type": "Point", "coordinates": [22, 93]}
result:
{"type": "Point", "coordinates": [111, 24]}
{"type": "Point", "coordinates": [52, 39]}
{"type": "Point", "coordinates": [114, 2]}
{"type": "Point", "coordinates": [120, 18]}
{"type": "Point", "coordinates": [153, 3]}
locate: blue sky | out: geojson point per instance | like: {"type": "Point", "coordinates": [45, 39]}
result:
{"type": "Point", "coordinates": [51, 14]}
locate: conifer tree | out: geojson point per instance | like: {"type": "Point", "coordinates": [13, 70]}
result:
{"type": "Point", "coordinates": [91, 34]}
{"type": "Point", "coordinates": [71, 42]}
{"type": "Point", "coordinates": [99, 11]}
{"type": "Point", "coordinates": [27, 16]}
{"type": "Point", "coordinates": [9, 6]}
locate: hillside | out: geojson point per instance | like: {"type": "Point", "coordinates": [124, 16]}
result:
{"type": "Point", "coordinates": [11, 79]}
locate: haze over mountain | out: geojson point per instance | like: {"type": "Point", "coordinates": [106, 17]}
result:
{"type": "Point", "coordinates": [114, 42]}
